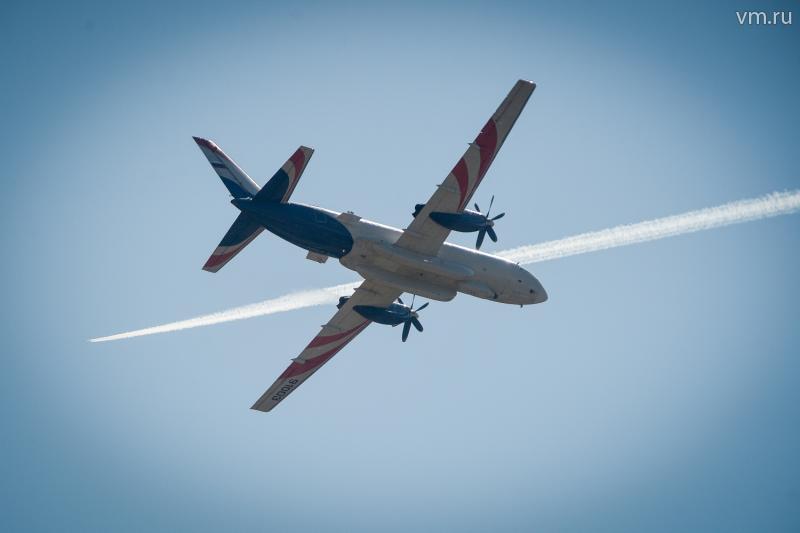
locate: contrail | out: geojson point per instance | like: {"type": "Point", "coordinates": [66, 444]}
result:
{"type": "Point", "coordinates": [288, 302]}
{"type": "Point", "coordinates": [770, 205]}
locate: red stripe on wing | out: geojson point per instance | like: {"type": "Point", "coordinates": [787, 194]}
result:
{"type": "Point", "coordinates": [296, 368]}
{"type": "Point", "coordinates": [462, 177]}
{"type": "Point", "coordinates": [487, 142]}
{"type": "Point", "coordinates": [321, 340]}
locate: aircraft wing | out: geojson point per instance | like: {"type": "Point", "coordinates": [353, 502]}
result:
{"type": "Point", "coordinates": [424, 235]}
{"type": "Point", "coordinates": [341, 329]}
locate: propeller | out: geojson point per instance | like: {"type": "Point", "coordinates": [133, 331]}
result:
{"type": "Point", "coordinates": [413, 317]}
{"type": "Point", "coordinates": [487, 224]}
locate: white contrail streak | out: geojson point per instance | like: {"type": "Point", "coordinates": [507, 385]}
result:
{"type": "Point", "coordinates": [288, 302]}
{"type": "Point", "coordinates": [770, 205]}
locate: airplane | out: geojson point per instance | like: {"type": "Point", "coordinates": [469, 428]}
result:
{"type": "Point", "coordinates": [416, 260]}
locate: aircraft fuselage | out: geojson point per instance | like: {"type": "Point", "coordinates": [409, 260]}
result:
{"type": "Point", "coordinates": [368, 248]}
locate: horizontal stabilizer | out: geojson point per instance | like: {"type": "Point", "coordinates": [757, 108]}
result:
{"type": "Point", "coordinates": [281, 186]}
{"type": "Point", "coordinates": [241, 233]}
{"type": "Point", "coordinates": [234, 178]}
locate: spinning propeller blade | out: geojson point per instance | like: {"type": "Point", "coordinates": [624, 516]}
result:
{"type": "Point", "coordinates": [412, 318]}
{"type": "Point", "coordinates": [487, 225]}
{"type": "Point", "coordinates": [481, 235]}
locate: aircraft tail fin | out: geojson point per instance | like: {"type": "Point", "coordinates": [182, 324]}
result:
{"type": "Point", "coordinates": [278, 189]}
{"type": "Point", "coordinates": [234, 178]}
{"type": "Point", "coordinates": [281, 185]}
{"type": "Point", "coordinates": [241, 233]}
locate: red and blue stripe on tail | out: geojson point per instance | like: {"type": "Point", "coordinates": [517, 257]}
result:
{"type": "Point", "coordinates": [278, 189]}
{"type": "Point", "coordinates": [281, 186]}
{"type": "Point", "coordinates": [244, 229]}
{"type": "Point", "coordinates": [234, 178]}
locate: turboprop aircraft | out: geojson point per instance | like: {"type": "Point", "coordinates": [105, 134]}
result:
{"type": "Point", "coordinates": [416, 260]}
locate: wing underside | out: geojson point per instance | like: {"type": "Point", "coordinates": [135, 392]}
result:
{"type": "Point", "coordinates": [424, 235]}
{"type": "Point", "coordinates": [343, 327]}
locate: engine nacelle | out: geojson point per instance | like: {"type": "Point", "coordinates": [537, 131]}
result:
{"type": "Point", "coordinates": [465, 222]}
{"type": "Point", "coordinates": [393, 315]}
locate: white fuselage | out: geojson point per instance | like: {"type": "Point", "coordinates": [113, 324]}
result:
{"type": "Point", "coordinates": [454, 269]}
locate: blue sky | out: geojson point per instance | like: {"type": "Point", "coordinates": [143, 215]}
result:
{"type": "Point", "coordinates": [654, 391]}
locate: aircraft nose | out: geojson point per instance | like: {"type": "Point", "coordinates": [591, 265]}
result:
{"type": "Point", "coordinates": [536, 291]}
{"type": "Point", "coordinates": [540, 295]}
